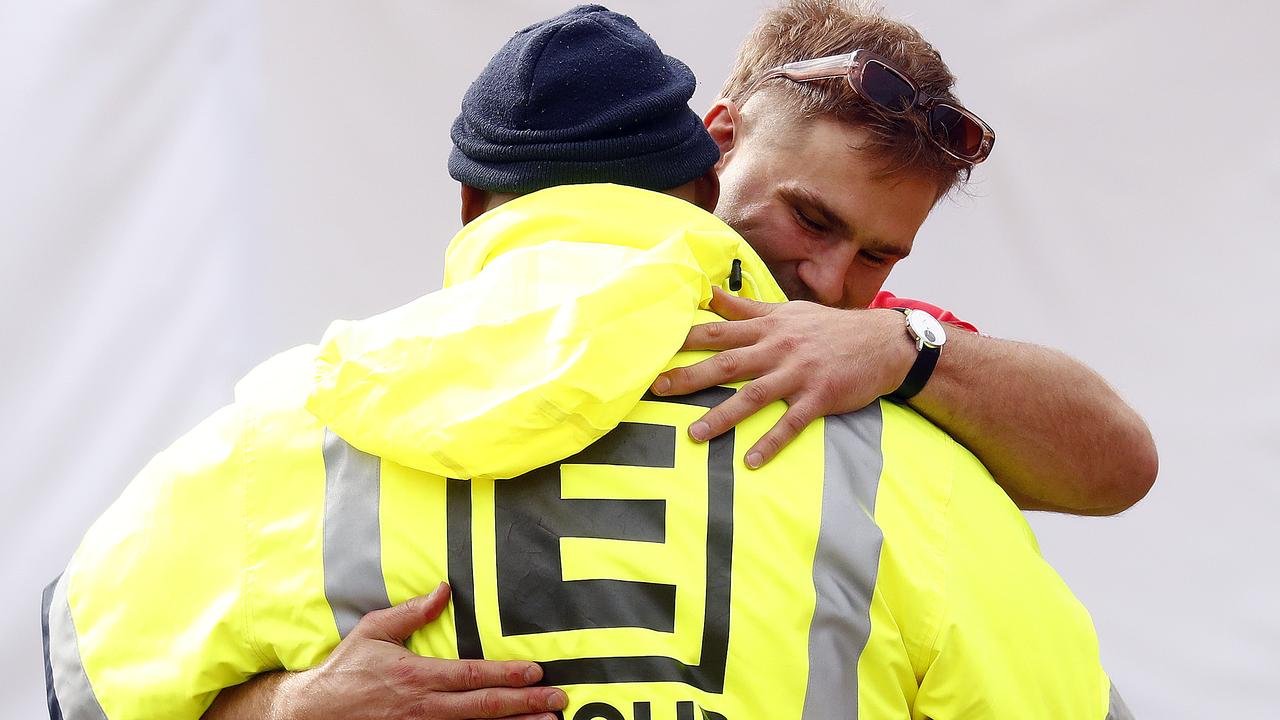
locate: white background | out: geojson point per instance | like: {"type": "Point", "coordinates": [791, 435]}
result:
{"type": "Point", "coordinates": [189, 187]}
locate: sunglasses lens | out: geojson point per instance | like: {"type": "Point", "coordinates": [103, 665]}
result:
{"type": "Point", "coordinates": [884, 86]}
{"type": "Point", "coordinates": [955, 131]}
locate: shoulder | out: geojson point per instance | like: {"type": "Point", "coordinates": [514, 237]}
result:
{"type": "Point", "coordinates": [271, 402]}
{"type": "Point", "coordinates": [281, 383]}
{"type": "Point", "coordinates": [965, 570]}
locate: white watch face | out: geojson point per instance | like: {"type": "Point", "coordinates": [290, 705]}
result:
{"type": "Point", "coordinates": [927, 328]}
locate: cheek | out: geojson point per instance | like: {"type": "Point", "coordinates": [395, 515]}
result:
{"type": "Point", "coordinates": [766, 246]}
{"type": "Point", "coordinates": [776, 240]}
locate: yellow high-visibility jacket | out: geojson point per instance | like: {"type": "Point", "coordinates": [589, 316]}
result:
{"type": "Point", "coordinates": [498, 434]}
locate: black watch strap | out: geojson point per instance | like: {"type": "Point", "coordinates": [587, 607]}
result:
{"type": "Point", "coordinates": [919, 373]}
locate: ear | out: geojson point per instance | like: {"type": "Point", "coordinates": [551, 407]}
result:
{"type": "Point", "coordinates": [706, 191]}
{"type": "Point", "coordinates": [474, 203]}
{"type": "Point", "coordinates": [723, 122]}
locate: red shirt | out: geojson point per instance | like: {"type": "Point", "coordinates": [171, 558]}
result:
{"type": "Point", "coordinates": [885, 299]}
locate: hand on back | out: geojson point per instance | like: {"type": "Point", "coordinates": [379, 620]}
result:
{"type": "Point", "coordinates": [371, 675]}
{"type": "Point", "coordinates": [820, 360]}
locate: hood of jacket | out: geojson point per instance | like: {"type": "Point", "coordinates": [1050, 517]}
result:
{"type": "Point", "coordinates": [559, 308]}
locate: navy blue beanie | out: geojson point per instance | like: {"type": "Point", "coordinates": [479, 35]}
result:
{"type": "Point", "coordinates": [584, 97]}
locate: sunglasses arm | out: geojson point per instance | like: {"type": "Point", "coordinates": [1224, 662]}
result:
{"type": "Point", "coordinates": [819, 69]}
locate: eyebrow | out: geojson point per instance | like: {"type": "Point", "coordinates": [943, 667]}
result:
{"type": "Point", "coordinates": [812, 202]}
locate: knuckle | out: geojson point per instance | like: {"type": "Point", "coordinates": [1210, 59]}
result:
{"type": "Point", "coordinates": [514, 674]}
{"type": "Point", "coordinates": [428, 710]}
{"type": "Point", "coordinates": [714, 330]}
{"type": "Point", "coordinates": [756, 393]}
{"type": "Point", "coordinates": [459, 675]}
{"type": "Point", "coordinates": [489, 703]}
{"type": "Point", "coordinates": [423, 709]}
{"type": "Point", "coordinates": [533, 701]}
{"type": "Point", "coordinates": [403, 672]}
{"type": "Point", "coordinates": [810, 365]}
{"type": "Point", "coordinates": [788, 344]}
{"type": "Point", "coordinates": [727, 363]}
{"type": "Point", "coordinates": [794, 422]}
{"type": "Point", "coordinates": [472, 677]}
{"type": "Point", "coordinates": [827, 387]}
{"type": "Point", "coordinates": [717, 419]}
{"type": "Point", "coordinates": [772, 443]}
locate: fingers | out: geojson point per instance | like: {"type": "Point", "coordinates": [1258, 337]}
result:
{"type": "Point", "coordinates": [500, 702]}
{"type": "Point", "coordinates": [722, 335]}
{"type": "Point", "coordinates": [433, 604]}
{"type": "Point", "coordinates": [398, 622]}
{"type": "Point", "coordinates": [739, 333]}
{"type": "Point", "coordinates": [741, 405]}
{"type": "Point", "coordinates": [794, 420]}
{"type": "Point", "coordinates": [745, 403]}
{"type": "Point", "coordinates": [732, 307]}
{"type": "Point", "coordinates": [477, 674]}
{"type": "Point", "coordinates": [725, 367]}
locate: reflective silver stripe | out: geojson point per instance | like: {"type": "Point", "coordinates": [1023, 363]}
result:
{"type": "Point", "coordinates": [70, 683]}
{"type": "Point", "coordinates": [1118, 710]}
{"type": "Point", "coordinates": [845, 564]}
{"type": "Point", "coordinates": [353, 582]}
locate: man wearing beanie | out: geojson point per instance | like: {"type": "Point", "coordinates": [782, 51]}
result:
{"type": "Point", "coordinates": [586, 97]}
{"type": "Point", "coordinates": [248, 546]}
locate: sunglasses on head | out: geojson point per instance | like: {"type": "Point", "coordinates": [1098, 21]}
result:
{"type": "Point", "coordinates": [958, 132]}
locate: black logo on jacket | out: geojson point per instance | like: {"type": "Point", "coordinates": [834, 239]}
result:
{"type": "Point", "coordinates": [531, 516]}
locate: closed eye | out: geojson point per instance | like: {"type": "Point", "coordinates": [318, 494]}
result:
{"type": "Point", "coordinates": [809, 223]}
{"type": "Point", "coordinates": [874, 260]}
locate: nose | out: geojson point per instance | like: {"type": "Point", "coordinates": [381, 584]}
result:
{"type": "Point", "coordinates": [824, 272]}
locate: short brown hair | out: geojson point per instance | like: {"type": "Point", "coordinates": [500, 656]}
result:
{"type": "Point", "coordinates": [807, 29]}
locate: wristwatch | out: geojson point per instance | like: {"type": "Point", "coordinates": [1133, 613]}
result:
{"type": "Point", "coordinates": [929, 337]}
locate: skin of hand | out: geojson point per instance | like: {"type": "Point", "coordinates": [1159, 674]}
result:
{"type": "Point", "coordinates": [1051, 431]}
{"type": "Point", "coordinates": [821, 360]}
{"type": "Point", "coordinates": [371, 674]}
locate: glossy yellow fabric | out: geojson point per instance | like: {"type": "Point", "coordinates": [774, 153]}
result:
{"type": "Point", "coordinates": [587, 293]}
{"type": "Point", "coordinates": [968, 620]}
{"type": "Point", "coordinates": [560, 308]}
{"type": "Point", "coordinates": [777, 511]}
{"type": "Point", "coordinates": [162, 587]}
{"type": "Point", "coordinates": [576, 279]}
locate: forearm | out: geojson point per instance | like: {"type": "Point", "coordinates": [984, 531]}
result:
{"type": "Point", "coordinates": [1051, 431]}
{"type": "Point", "coordinates": [1054, 435]}
{"type": "Point", "coordinates": [260, 698]}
